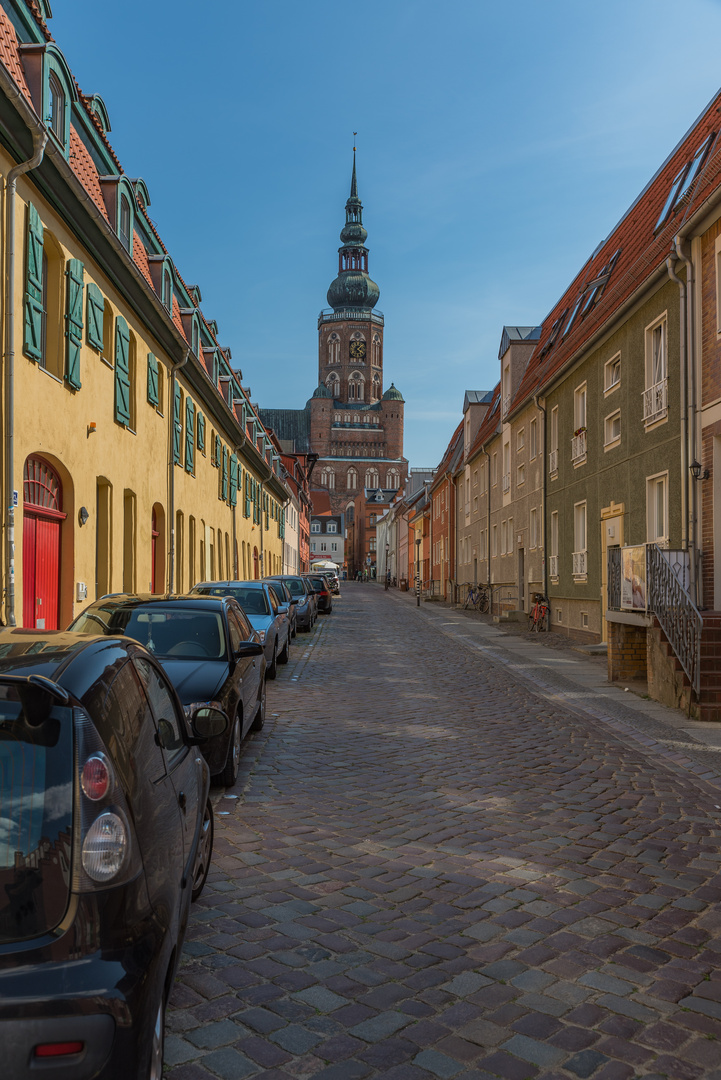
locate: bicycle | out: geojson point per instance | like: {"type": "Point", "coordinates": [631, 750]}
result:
{"type": "Point", "coordinates": [538, 615]}
{"type": "Point", "coordinates": [477, 598]}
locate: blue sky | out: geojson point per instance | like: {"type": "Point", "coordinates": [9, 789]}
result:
{"type": "Point", "coordinates": [497, 146]}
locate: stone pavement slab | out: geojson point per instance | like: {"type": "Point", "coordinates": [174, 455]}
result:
{"type": "Point", "coordinates": [447, 860]}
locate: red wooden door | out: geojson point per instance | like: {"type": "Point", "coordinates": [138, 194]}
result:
{"type": "Point", "coordinates": [42, 520]}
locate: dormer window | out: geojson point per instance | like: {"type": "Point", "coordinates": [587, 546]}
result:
{"type": "Point", "coordinates": [167, 291]}
{"type": "Point", "coordinates": [124, 222]}
{"type": "Point", "coordinates": [683, 180]}
{"type": "Point", "coordinates": [195, 338]}
{"type": "Point", "coordinates": [56, 101]}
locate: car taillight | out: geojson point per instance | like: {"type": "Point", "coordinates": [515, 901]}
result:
{"type": "Point", "coordinates": [95, 777]}
{"type": "Point", "coordinates": [104, 847]}
{"type": "Point", "coordinates": [61, 1049]}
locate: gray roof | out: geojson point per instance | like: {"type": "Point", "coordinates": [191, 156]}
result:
{"type": "Point", "coordinates": [477, 397]}
{"type": "Point", "coordinates": [290, 426]}
{"type": "Point", "coordinates": [517, 333]}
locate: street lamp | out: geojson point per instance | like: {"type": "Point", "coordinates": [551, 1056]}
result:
{"type": "Point", "coordinates": [418, 572]}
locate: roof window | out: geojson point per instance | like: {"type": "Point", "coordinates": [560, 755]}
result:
{"type": "Point", "coordinates": [683, 180]}
{"type": "Point", "coordinates": [56, 107]}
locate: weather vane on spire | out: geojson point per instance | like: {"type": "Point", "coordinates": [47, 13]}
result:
{"type": "Point", "coordinates": [354, 135]}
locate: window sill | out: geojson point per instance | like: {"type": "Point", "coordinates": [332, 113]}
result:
{"type": "Point", "coordinates": [553, 475]}
{"type": "Point", "coordinates": [577, 462]}
{"type": "Point", "coordinates": [656, 421]}
{"type": "Point", "coordinates": [108, 363]}
{"type": "Point", "coordinates": [611, 389]}
{"type": "Point", "coordinates": [579, 579]}
{"type": "Point", "coordinates": [50, 374]}
{"type": "Point", "coordinates": [612, 445]}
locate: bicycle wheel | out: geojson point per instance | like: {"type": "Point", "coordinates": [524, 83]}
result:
{"type": "Point", "coordinates": [532, 619]}
{"type": "Point", "coordinates": [483, 602]}
{"type": "Point", "coordinates": [543, 618]}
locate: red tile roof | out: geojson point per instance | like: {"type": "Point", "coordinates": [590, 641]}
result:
{"type": "Point", "coordinates": [140, 258]}
{"type": "Point", "coordinates": [447, 459]}
{"type": "Point", "coordinates": [9, 55]}
{"type": "Point", "coordinates": [84, 168]}
{"type": "Point", "coordinates": [642, 250]}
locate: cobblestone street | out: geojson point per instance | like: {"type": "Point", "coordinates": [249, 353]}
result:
{"type": "Point", "coordinates": [430, 868]}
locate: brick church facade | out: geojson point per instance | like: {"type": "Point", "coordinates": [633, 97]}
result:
{"type": "Point", "coordinates": [350, 422]}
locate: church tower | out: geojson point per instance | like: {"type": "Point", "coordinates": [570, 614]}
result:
{"type": "Point", "coordinates": [356, 428]}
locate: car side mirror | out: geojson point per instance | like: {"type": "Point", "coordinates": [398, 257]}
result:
{"type": "Point", "coordinates": [207, 722]}
{"type": "Point", "coordinates": [293, 601]}
{"type": "Point", "coordinates": [283, 609]}
{"type": "Point", "coordinates": [248, 648]}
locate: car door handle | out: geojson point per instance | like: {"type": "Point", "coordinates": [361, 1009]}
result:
{"type": "Point", "coordinates": [182, 800]}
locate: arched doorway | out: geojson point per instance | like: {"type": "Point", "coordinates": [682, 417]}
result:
{"type": "Point", "coordinates": [157, 549]}
{"type": "Point", "coordinates": [256, 572]}
{"type": "Point", "coordinates": [42, 520]}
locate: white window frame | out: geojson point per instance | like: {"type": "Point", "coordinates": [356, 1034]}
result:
{"type": "Point", "coordinates": [653, 533]}
{"type": "Point", "coordinates": [580, 540]}
{"type": "Point", "coordinates": [553, 557]}
{"type": "Point", "coordinates": [520, 475]}
{"type": "Point", "coordinates": [533, 528]}
{"type": "Point", "coordinates": [655, 394]}
{"type": "Point", "coordinates": [610, 368]}
{"type": "Point", "coordinates": [494, 469]}
{"type": "Point", "coordinates": [553, 448]}
{"type": "Point", "coordinates": [504, 537]}
{"type": "Point", "coordinates": [611, 440]}
{"type": "Point", "coordinates": [521, 439]}
{"type": "Point", "coordinates": [494, 542]}
{"type": "Point", "coordinates": [533, 440]}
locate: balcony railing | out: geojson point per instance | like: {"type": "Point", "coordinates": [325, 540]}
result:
{"type": "Point", "coordinates": [579, 563]}
{"type": "Point", "coordinates": [506, 483]}
{"type": "Point", "coordinates": [579, 446]}
{"type": "Point", "coordinates": [661, 585]}
{"type": "Point", "coordinates": [655, 401]}
{"type": "Point", "coordinates": [553, 461]}
{"type": "Point", "coordinates": [553, 565]}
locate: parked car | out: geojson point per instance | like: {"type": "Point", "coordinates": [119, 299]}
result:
{"type": "Point", "coordinates": [286, 602]}
{"type": "Point", "coordinates": [261, 608]}
{"type": "Point", "coordinates": [333, 580]}
{"type": "Point", "coordinates": [99, 856]}
{"type": "Point", "coordinates": [305, 611]}
{"type": "Point", "coordinates": [321, 589]}
{"type": "Point", "coordinates": [210, 652]}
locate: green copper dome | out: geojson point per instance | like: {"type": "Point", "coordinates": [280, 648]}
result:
{"type": "Point", "coordinates": [393, 394]}
{"type": "Point", "coordinates": [322, 391]}
{"type": "Point", "coordinates": [353, 288]}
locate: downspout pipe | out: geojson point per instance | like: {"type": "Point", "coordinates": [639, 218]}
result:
{"type": "Point", "coordinates": [686, 542]}
{"type": "Point", "coordinates": [171, 471]}
{"type": "Point", "coordinates": [236, 567]}
{"type": "Point", "coordinates": [542, 409]}
{"type": "Point", "coordinates": [691, 409]}
{"type": "Point", "coordinates": [40, 138]}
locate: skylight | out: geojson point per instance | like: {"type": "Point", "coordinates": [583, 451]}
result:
{"type": "Point", "coordinates": [683, 180]}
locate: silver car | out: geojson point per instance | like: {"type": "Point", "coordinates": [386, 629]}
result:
{"type": "Point", "coordinates": [264, 613]}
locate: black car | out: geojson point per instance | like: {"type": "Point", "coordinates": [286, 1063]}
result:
{"type": "Point", "coordinates": [306, 608]}
{"type": "Point", "coordinates": [322, 591]}
{"type": "Point", "coordinates": [106, 835]}
{"type": "Point", "coordinates": [210, 652]}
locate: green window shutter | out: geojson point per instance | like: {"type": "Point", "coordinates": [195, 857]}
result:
{"type": "Point", "coordinates": [95, 312]}
{"type": "Point", "coordinates": [233, 480]}
{"type": "Point", "coordinates": [246, 512]}
{"type": "Point", "coordinates": [201, 432]}
{"type": "Point", "coordinates": [177, 425]}
{"type": "Point", "coordinates": [34, 311]}
{"type": "Point", "coordinates": [122, 371]}
{"type": "Point", "coordinates": [75, 274]}
{"type": "Point", "coordinates": [189, 435]}
{"type": "Point", "coordinates": [153, 394]}
{"type": "Point", "coordinates": [224, 488]}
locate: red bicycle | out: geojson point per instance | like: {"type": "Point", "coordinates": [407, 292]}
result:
{"type": "Point", "coordinates": [538, 616]}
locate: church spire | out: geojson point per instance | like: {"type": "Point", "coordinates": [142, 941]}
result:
{"type": "Point", "coordinates": [353, 287]}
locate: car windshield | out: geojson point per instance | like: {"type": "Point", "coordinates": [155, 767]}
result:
{"type": "Point", "coordinates": [36, 812]}
{"type": "Point", "coordinates": [253, 601]}
{"type": "Point", "coordinates": [295, 587]}
{"type": "Point", "coordinates": [171, 630]}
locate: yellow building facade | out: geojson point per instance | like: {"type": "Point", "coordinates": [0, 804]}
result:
{"type": "Point", "coordinates": [133, 459]}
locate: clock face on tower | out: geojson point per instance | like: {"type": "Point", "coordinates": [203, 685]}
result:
{"type": "Point", "coordinates": [357, 350]}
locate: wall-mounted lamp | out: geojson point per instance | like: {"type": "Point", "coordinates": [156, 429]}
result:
{"type": "Point", "coordinates": [92, 428]}
{"type": "Point", "coordinates": [697, 472]}
{"type": "Point", "coordinates": [83, 515]}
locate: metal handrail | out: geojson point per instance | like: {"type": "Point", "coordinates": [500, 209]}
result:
{"type": "Point", "coordinates": [680, 619]}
